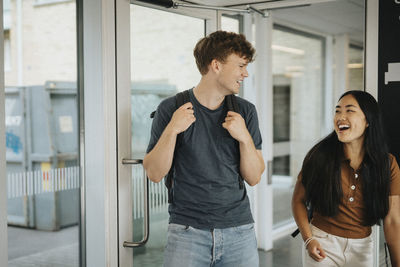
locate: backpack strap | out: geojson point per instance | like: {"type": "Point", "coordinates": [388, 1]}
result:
{"type": "Point", "coordinates": [309, 215]}
{"type": "Point", "coordinates": [181, 98]}
{"type": "Point", "coordinates": [232, 105]}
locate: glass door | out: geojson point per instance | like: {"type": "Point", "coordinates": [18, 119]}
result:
{"type": "Point", "coordinates": [161, 65]}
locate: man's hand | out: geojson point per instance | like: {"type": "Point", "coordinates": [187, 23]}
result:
{"type": "Point", "coordinates": [182, 118]}
{"type": "Point", "coordinates": [315, 250]}
{"type": "Point", "coordinates": [235, 125]}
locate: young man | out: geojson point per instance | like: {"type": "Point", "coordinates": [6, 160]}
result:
{"type": "Point", "coordinates": [210, 219]}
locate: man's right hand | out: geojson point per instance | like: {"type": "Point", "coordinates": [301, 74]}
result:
{"type": "Point", "coordinates": [315, 250]}
{"type": "Point", "coordinates": [182, 118]}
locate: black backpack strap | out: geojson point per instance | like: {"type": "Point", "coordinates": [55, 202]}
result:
{"type": "Point", "coordinates": [309, 215]}
{"type": "Point", "coordinates": [228, 102]}
{"type": "Point", "coordinates": [295, 233]}
{"type": "Point", "coordinates": [232, 105]}
{"type": "Point", "coordinates": [181, 98]}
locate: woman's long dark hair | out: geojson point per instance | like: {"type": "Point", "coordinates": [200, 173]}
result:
{"type": "Point", "coordinates": [321, 171]}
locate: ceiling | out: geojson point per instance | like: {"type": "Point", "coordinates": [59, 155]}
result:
{"type": "Point", "coordinates": [333, 17]}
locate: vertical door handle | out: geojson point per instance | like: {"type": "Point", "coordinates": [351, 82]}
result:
{"type": "Point", "coordinates": [145, 204]}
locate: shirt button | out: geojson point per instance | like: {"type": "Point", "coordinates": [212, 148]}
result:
{"type": "Point", "coordinates": [356, 175]}
{"type": "Point", "coordinates": [353, 187]}
{"type": "Point", "coordinates": [351, 199]}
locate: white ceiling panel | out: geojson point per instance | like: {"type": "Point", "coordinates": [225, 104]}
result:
{"type": "Point", "coordinates": [336, 17]}
{"type": "Point", "coordinates": [326, 16]}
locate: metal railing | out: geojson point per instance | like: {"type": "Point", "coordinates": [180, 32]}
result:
{"type": "Point", "coordinates": [38, 182]}
{"type": "Point", "coordinates": [158, 194]}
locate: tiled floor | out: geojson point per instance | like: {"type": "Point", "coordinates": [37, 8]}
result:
{"type": "Point", "coordinates": [23, 242]}
{"type": "Point", "coordinates": [28, 248]}
{"type": "Point", "coordinates": [44, 251]}
{"type": "Point", "coordinates": [61, 248]}
{"type": "Point", "coordinates": [286, 252]}
{"type": "Point", "coordinates": [65, 256]}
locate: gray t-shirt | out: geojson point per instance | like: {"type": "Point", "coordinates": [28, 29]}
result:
{"type": "Point", "coordinates": [206, 192]}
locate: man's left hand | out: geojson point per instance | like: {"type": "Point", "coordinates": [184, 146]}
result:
{"type": "Point", "coordinates": [236, 126]}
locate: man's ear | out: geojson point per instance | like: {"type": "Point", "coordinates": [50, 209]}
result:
{"type": "Point", "coordinates": [215, 66]}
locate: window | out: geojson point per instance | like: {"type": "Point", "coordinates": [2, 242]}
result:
{"type": "Point", "coordinates": [230, 23]}
{"type": "Point", "coordinates": [297, 93]}
{"type": "Point", "coordinates": [355, 68]}
{"type": "Point", "coordinates": [7, 51]}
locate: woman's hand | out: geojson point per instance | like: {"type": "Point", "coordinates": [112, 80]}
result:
{"type": "Point", "coordinates": [315, 250]}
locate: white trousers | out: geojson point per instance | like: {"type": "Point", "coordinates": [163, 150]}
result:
{"type": "Point", "coordinates": [340, 251]}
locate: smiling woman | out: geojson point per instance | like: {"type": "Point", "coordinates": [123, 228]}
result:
{"type": "Point", "coordinates": [343, 176]}
{"type": "Point", "coordinates": [349, 121]}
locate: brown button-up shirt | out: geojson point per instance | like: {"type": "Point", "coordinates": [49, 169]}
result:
{"type": "Point", "coordinates": [348, 222]}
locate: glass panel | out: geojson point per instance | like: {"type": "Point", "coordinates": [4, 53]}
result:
{"type": "Point", "coordinates": [281, 113]}
{"type": "Point", "coordinates": [42, 134]}
{"type": "Point", "coordinates": [298, 93]}
{"type": "Point", "coordinates": [355, 68]}
{"type": "Point", "coordinates": [162, 64]}
{"type": "Point", "coordinates": [229, 24]}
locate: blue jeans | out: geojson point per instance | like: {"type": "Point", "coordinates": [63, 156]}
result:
{"type": "Point", "coordinates": [191, 247]}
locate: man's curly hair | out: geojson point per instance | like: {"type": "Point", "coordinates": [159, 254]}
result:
{"type": "Point", "coordinates": [219, 45]}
